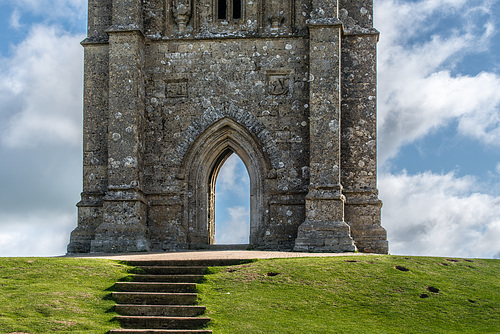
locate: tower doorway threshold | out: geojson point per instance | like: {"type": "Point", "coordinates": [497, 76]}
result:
{"type": "Point", "coordinates": [221, 247]}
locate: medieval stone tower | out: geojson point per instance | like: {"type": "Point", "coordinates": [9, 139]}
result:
{"type": "Point", "coordinates": [174, 87]}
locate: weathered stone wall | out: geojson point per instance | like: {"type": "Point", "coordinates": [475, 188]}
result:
{"type": "Point", "coordinates": [193, 84]}
{"type": "Point", "coordinates": [171, 91]}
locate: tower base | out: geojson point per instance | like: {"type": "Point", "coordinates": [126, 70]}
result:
{"type": "Point", "coordinates": [321, 236]}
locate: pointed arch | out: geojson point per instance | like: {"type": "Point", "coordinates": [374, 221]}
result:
{"type": "Point", "coordinates": [242, 117]}
{"type": "Point", "coordinates": [202, 162]}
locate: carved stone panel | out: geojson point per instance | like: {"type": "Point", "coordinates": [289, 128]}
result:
{"type": "Point", "coordinates": [176, 88]}
{"type": "Point", "coordinates": [279, 82]}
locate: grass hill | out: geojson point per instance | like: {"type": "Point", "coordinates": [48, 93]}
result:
{"type": "Point", "coordinates": [57, 295]}
{"type": "Point", "coordinates": [362, 294]}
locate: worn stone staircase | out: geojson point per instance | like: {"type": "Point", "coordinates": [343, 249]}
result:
{"type": "Point", "coordinates": [162, 298]}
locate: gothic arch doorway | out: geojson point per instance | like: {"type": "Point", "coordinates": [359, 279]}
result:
{"type": "Point", "coordinates": [203, 161]}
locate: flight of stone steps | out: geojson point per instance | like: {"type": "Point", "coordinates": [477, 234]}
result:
{"type": "Point", "coordinates": [162, 299]}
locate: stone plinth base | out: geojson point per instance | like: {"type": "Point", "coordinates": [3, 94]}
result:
{"type": "Point", "coordinates": [374, 246]}
{"type": "Point", "coordinates": [120, 245]}
{"type": "Point", "coordinates": [80, 242]}
{"type": "Point", "coordinates": [124, 227]}
{"type": "Point", "coordinates": [321, 236]}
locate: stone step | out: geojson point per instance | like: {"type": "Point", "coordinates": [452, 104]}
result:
{"type": "Point", "coordinates": [150, 298]}
{"type": "Point", "coordinates": [173, 270]}
{"type": "Point", "coordinates": [161, 297]}
{"type": "Point", "coordinates": [160, 331]}
{"type": "Point", "coordinates": [168, 278]}
{"type": "Point", "coordinates": [188, 263]}
{"type": "Point", "coordinates": [160, 310]}
{"type": "Point", "coordinates": [145, 322]}
{"type": "Point", "coordinates": [155, 287]}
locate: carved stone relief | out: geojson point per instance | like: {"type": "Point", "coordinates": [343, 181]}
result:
{"type": "Point", "coordinates": [176, 88]}
{"type": "Point", "coordinates": [182, 13]}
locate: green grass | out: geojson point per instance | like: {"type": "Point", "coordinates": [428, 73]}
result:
{"type": "Point", "coordinates": [301, 295]}
{"type": "Point", "coordinates": [334, 295]}
{"type": "Point", "coordinates": [57, 295]}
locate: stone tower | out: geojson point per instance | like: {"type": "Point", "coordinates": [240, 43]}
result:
{"type": "Point", "coordinates": [174, 87]}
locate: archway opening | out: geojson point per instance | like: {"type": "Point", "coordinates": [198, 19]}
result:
{"type": "Point", "coordinates": [232, 201]}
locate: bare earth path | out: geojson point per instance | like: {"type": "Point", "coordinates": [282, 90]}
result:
{"type": "Point", "coordinates": [211, 255]}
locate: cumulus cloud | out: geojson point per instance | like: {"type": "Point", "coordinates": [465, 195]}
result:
{"type": "Point", "coordinates": [232, 198]}
{"type": "Point", "coordinates": [69, 10]}
{"type": "Point", "coordinates": [235, 229]}
{"type": "Point", "coordinates": [233, 176]}
{"type": "Point", "coordinates": [35, 234]}
{"type": "Point", "coordinates": [41, 90]}
{"type": "Point", "coordinates": [40, 142]}
{"type": "Point", "coordinates": [14, 19]}
{"type": "Point", "coordinates": [418, 89]}
{"type": "Point", "coordinates": [440, 215]}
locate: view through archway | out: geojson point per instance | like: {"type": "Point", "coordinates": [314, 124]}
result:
{"type": "Point", "coordinates": [232, 203]}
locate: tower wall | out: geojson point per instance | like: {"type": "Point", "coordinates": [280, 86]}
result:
{"type": "Point", "coordinates": [171, 89]}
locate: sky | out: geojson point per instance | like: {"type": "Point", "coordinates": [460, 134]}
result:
{"type": "Point", "coordinates": [438, 128]}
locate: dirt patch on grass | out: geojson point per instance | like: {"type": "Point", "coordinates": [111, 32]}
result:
{"type": "Point", "coordinates": [248, 277]}
{"type": "Point", "coordinates": [432, 289]}
{"type": "Point", "coordinates": [401, 268]}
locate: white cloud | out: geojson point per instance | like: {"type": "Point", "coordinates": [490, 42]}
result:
{"type": "Point", "coordinates": [41, 90]}
{"type": "Point", "coordinates": [15, 18]}
{"type": "Point", "coordinates": [425, 214]}
{"type": "Point", "coordinates": [232, 200]}
{"type": "Point", "coordinates": [403, 19]}
{"type": "Point", "coordinates": [41, 108]}
{"type": "Point", "coordinates": [35, 233]}
{"type": "Point", "coordinates": [236, 229]}
{"type": "Point", "coordinates": [52, 9]}
{"type": "Point", "coordinates": [233, 176]}
{"type": "Point", "coordinates": [439, 215]}
{"type": "Point", "coordinates": [417, 91]}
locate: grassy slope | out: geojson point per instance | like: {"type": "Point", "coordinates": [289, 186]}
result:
{"type": "Point", "coordinates": [333, 295]}
{"type": "Point", "coordinates": [47, 295]}
{"type": "Point", "coordinates": [308, 295]}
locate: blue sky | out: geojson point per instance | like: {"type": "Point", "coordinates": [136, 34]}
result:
{"type": "Point", "coordinates": [232, 203]}
{"type": "Point", "coordinates": [438, 128]}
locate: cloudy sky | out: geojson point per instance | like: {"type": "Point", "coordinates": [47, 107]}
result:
{"type": "Point", "coordinates": [439, 128]}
